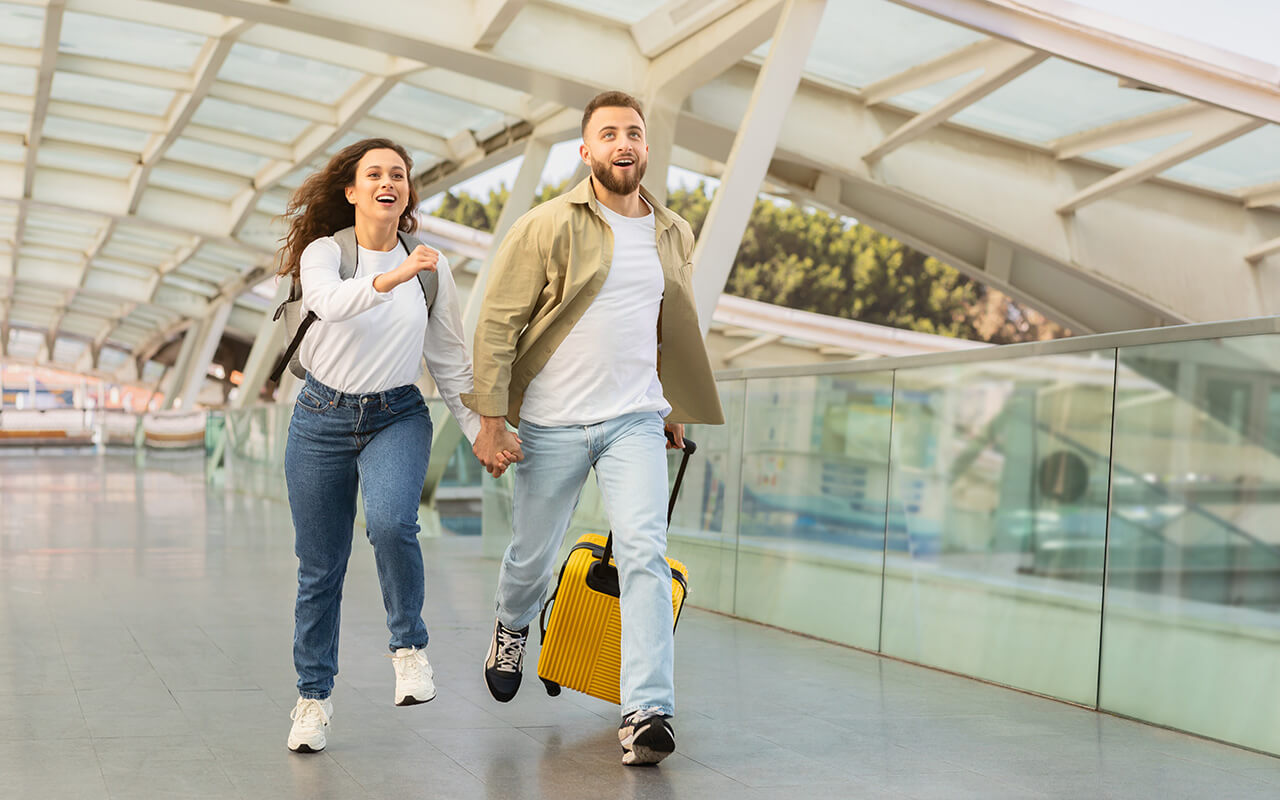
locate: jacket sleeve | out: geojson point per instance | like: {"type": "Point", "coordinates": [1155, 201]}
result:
{"type": "Point", "coordinates": [445, 350]}
{"type": "Point", "coordinates": [516, 278]}
{"type": "Point", "coordinates": [324, 291]}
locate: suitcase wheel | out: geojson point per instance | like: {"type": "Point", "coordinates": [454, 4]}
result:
{"type": "Point", "coordinates": [553, 688]}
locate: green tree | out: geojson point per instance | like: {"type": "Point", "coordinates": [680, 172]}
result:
{"type": "Point", "coordinates": [815, 261]}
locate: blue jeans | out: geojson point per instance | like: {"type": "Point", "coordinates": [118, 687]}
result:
{"type": "Point", "coordinates": [380, 442]}
{"type": "Point", "coordinates": [630, 460]}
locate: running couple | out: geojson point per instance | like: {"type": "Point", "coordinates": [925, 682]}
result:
{"type": "Point", "coordinates": [587, 342]}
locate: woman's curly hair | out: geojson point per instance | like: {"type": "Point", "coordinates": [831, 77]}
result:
{"type": "Point", "coordinates": [319, 208]}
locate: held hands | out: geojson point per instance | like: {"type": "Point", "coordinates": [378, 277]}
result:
{"type": "Point", "coordinates": [422, 259]}
{"type": "Point", "coordinates": [496, 447]}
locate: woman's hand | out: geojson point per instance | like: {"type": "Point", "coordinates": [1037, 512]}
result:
{"type": "Point", "coordinates": [422, 259]}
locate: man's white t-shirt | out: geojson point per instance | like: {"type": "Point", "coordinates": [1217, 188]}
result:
{"type": "Point", "coordinates": [607, 365]}
{"type": "Point", "coordinates": [369, 341]}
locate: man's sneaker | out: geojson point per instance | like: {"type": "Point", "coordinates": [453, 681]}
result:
{"type": "Point", "coordinates": [504, 662]}
{"type": "Point", "coordinates": [646, 738]}
{"type": "Point", "coordinates": [414, 677]}
{"type": "Point", "coordinates": [310, 719]}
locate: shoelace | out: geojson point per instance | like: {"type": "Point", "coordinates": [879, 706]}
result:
{"type": "Point", "coordinates": [310, 713]}
{"type": "Point", "coordinates": [412, 664]}
{"type": "Point", "coordinates": [510, 650]}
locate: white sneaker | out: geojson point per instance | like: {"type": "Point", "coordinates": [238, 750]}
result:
{"type": "Point", "coordinates": [414, 676]}
{"type": "Point", "coordinates": [310, 718]}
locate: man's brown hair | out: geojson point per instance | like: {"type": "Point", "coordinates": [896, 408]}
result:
{"type": "Point", "coordinates": [610, 100]}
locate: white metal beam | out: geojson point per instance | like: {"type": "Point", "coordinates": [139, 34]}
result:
{"type": "Point", "coordinates": [1183, 118]}
{"type": "Point", "coordinates": [202, 76]}
{"type": "Point", "coordinates": [763, 340]}
{"type": "Point", "coordinates": [1257, 254]}
{"type": "Point", "coordinates": [1262, 196]}
{"type": "Point", "coordinates": [210, 335]}
{"type": "Point", "coordinates": [1165, 69]}
{"type": "Point", "coordinates": [44, 81]}
{"type": "Point", "coordinates": [493, 17]}
{"type": "Point", "coordinates": [675, 21]}
{"type": "Point", "coordinates": [982, 55]}
{"type": "Point", "coordinates": [1001, 66]}
{"type": "Point", "coordinates": [1222, 129]}
{"type": "Point", "coordinates": [266, 348]}
{"type": "Point", "coordinates": [752, 147]}
{"type": "Point", "coordinates": [706, 53]}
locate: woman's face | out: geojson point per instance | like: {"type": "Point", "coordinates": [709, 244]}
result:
{"type": "Point", "coordinates": [381, 188]}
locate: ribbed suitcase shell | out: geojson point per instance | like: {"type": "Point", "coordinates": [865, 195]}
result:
{"type": "Point", "coordinates": [582, 647]}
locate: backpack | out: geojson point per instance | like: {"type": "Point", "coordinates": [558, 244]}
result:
{"type": "Point", "coordinates": [296, 325]}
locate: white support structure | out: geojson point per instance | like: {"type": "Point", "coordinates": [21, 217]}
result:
{"type": "Point", "coordinates": [1222, 129]}
{"type": "Point", "coordinates": [1257, 254]}
{"type": "Point", "coordinates": [1003, 65]}
{"type": "Point", "coordinates": [448, 434]}
{"type": "Point", "coordinates": [198, 368]}
{"type": "Point", "coordinates": [53, 12]}
{"type": "Point", "coordinates": [675, 21]}
{"type": "Point", "coordinates": [265, 351]}
{"type": "Point", "coordinates": [208, 63]}
{"type": "Point", "coordinates": [749, 158]}
{"type": "Point", "coordinates": [176, 376]}
{"type": "Point", "coordinates": [493, 17]}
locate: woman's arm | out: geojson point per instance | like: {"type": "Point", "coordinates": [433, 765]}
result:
{"type": "Point", "coordinates": [324, 291]}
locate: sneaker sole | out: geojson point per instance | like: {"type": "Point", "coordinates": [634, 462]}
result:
{"type": "Point", "coordinates": [649, 748]}
{"type": "Point", "coordinates": [411, 700]}
{"type": "Point", "coordinates": [644, 757]}
{"type": "Point", "coordinates": [303, 747]}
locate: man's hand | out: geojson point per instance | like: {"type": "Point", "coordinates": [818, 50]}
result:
{"type": "Point", "coordinates": [422, 259]}
{"type": "Point", "coordinates": [496, 447]}
{"type": "Point", "coordinates": [676, 429]}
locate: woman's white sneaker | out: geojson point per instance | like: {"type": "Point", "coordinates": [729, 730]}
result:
{"type": "Point", "coordinates": [310, 719]}
{"type": "Point", "coordinates": [414, 677]}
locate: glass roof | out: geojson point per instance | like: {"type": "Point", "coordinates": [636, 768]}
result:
{"type": "Point", "coordinates": [95, 133]}
{"type": "Point", "coordinates": [1248, 161]}
{"type": "Point", "coordinates": [21, 25]}
{"type": "Point", "coordinates": [18, 80]}
{"type": "Point", "coordinates": [67, 350]}
{"type": "Point", "coordinates": [627, 11]}
{"type": "Point", "coordinates": [251, 121]}
{"type": "Point", "coordinates": [108, 93]}
{"type": "Point", "coordinates": [216, 156]}
{"type": "Point", "coordinates": [133, 42]}
{"type": "Point", "coordinates": [431, 112]}
{"type": "Point", "coordinates": [271, 69]}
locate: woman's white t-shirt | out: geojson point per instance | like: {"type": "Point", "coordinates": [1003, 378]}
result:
{"type": "Point", "coordinates": [369, 341]}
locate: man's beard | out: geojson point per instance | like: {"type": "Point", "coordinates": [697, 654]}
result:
{"type": "Point", "coordinates": [603, 172]}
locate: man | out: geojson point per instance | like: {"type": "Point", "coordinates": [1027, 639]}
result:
{"type": "Point", "coordinates": [588, 341]}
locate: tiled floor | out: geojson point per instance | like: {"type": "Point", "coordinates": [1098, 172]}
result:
{"type": "Point", "coordinates": [145, 629]}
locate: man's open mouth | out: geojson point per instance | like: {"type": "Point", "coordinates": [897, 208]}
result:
{"type": "Point", "coordinates": [624, 162]}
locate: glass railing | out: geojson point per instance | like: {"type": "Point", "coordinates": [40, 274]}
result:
{"type": "Point", "coordinates": [1092, 519]}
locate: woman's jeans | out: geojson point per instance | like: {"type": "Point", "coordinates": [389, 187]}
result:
{"type": "Point", "coordinates": [629, 456]}
{"type": "Point", "coordinates": [380, 442]}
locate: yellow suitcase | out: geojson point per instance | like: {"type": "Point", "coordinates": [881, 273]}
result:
{"type": "Point", "coordinates": [582, 623]}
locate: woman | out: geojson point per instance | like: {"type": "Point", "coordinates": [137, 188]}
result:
{"type": "Point", "coordinates": [359, 421]}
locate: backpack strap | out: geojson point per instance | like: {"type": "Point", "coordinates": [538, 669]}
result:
{"type": "Point", "coordinates": [346, 239]}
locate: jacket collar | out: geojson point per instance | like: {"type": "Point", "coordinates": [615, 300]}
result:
{"type": "Point", "coordinates": [584, 194]}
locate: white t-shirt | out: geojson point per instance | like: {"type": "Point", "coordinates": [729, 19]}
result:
{"type": "Point", "coordinates": [607, 365]}
{"type": "Point", "coordinates": [369, 341]}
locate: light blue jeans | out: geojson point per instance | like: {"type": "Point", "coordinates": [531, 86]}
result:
{"type": "Point", "coordinates": [629, 456]}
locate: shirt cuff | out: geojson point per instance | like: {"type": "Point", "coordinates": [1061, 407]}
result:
{"type": "Point", "coordinates": [493, 404]}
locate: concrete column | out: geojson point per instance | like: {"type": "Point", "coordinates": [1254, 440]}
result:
{"type": "Point", "coordinates": [752, 150]}
{"type": "Point", "coordinates": [448, 434]}
{"type": "Point", "coordinates": [210, 334]}
{"type": "Point", "coordinates": [266, 350]}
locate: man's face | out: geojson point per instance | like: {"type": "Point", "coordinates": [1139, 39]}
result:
{"type": "Point", "coordinates": [614, 147]}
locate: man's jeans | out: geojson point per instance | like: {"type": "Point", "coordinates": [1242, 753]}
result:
{"type": "Point", "coordinates": [382, 442]}
{"type": "Point", "coordinates": [629, 456]}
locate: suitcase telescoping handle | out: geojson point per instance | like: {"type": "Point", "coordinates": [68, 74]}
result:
{"type": "Point", "coordinates": [689, 449]}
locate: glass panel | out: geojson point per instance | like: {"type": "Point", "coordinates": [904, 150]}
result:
{"type": "Point", "coordinates": [18, 80]}
{"type": "Point", "coordinates": [271, 69]}
{"type": "Point", "coordinates": [1126, 155]}
{"type": "Point", "coordinates": [121, 40]}
{"type": "Point", "coordinates": [814, 484]}
{"type": "Point", "coordinates": [861, 41]}
{"type": "Point", "coordinates": [61, 155]}
{"type": "Point", "coordinates": [431, 112]}
{"type": "Point", "coordinates": [95, 91]}
{"type": "Point", "coordinates": [76, 130]}
{"type": "Point", "coordinates": [997, 520]}
{"type": "Point", "coordinates": [14, 121]}
{"type": "Point", "coordinates": [1252, 159]}
{"type": "Point", "coordinates": [704, 525]}
{"type": "Point", "coordinates": [1191, 635]}
{"type": "Point", "coordinates": [251, 121]}
{"type": "Point", "coordinates": [13, 152]}
{"type": "Point", "coordinates": [21, 25]}
{"type": "Point", "coordinates": [206, 185]}
{"type": "Point", "coordinates": [1030, 108]}
{"type": "Point", "coordinates": [217, 157]}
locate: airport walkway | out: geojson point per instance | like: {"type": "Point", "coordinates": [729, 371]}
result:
{"type": "Point", "coordinates": [145, 631]}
